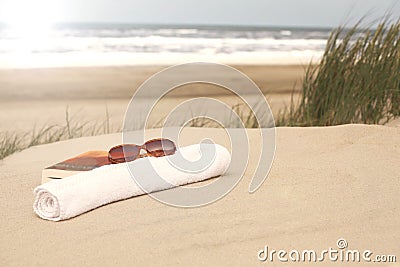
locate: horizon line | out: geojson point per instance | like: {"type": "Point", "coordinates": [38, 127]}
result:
{"type": "Point", "coordinates": [187, 25]}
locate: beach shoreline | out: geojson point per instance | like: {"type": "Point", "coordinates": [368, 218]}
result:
{"type": "Point", "coordinates": [38, 97]}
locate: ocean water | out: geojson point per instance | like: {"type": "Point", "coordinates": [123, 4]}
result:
{"type": "Point", "coordinates": [102, 44]}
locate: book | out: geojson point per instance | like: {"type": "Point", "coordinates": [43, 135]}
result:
{"type": "Point", "coordinates": [84, 162]}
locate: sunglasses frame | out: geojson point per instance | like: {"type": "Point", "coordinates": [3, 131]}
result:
{"type": "Point", "coordinates": [148, 154]}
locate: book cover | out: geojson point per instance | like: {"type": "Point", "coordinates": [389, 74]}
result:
{"type": "Point", "coordinates": [80, 163]}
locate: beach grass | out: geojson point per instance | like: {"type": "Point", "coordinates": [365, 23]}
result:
{"type": "Point", "coordinates": [245, 118]}
{"type": "Point", "coordinates": [357, 80]}
{"type": "Point", "coordinates": [11, 142]}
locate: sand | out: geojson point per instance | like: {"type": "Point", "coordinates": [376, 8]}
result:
{"type": "Point", "coordinates": [40, 97]}
{"type": "Point", "coordinates": [326, 183]}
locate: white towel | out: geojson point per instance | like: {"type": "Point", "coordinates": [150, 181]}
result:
{"type": "Point", "coordinates": [69, 197]}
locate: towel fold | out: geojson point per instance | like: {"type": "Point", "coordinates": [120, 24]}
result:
{"type": "Point", "coordinates": [69, 197]}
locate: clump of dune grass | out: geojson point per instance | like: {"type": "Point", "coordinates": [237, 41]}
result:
{"type": "Point", "coordinates": [9, 144]}
{"type": "Point", "coordinates": [73, 128]}
{"type": "Point", "coordinates": [245, 118]}
{"type": "Point", "coordinates": [357, 80]}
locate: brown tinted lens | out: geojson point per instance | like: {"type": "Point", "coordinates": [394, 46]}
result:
{"type": "Point", "coordinates": [160, 147]}
{"type": "Point", "coordinates": [123, 153]}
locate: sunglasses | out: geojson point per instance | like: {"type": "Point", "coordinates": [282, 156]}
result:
{"type": "Point", "coordinates": [155, 148]}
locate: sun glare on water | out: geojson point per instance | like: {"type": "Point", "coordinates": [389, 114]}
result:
{"type": "Point", "coordinates": [28, 17]}
{"type": "Point", "coordinates": [28, 31]}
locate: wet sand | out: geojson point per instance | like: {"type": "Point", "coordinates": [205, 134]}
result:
{"type": "Point", "coordinates": [39, 97]}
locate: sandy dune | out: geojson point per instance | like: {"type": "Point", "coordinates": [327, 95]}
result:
{"type": "Point", "coordinates": [325, 184]}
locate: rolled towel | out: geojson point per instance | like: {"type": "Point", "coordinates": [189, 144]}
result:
{"type": "Point", "coordinates": [63, 199]}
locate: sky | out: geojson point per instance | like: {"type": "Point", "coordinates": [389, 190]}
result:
{"type": "Point", "coordinates": [299, 13]}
